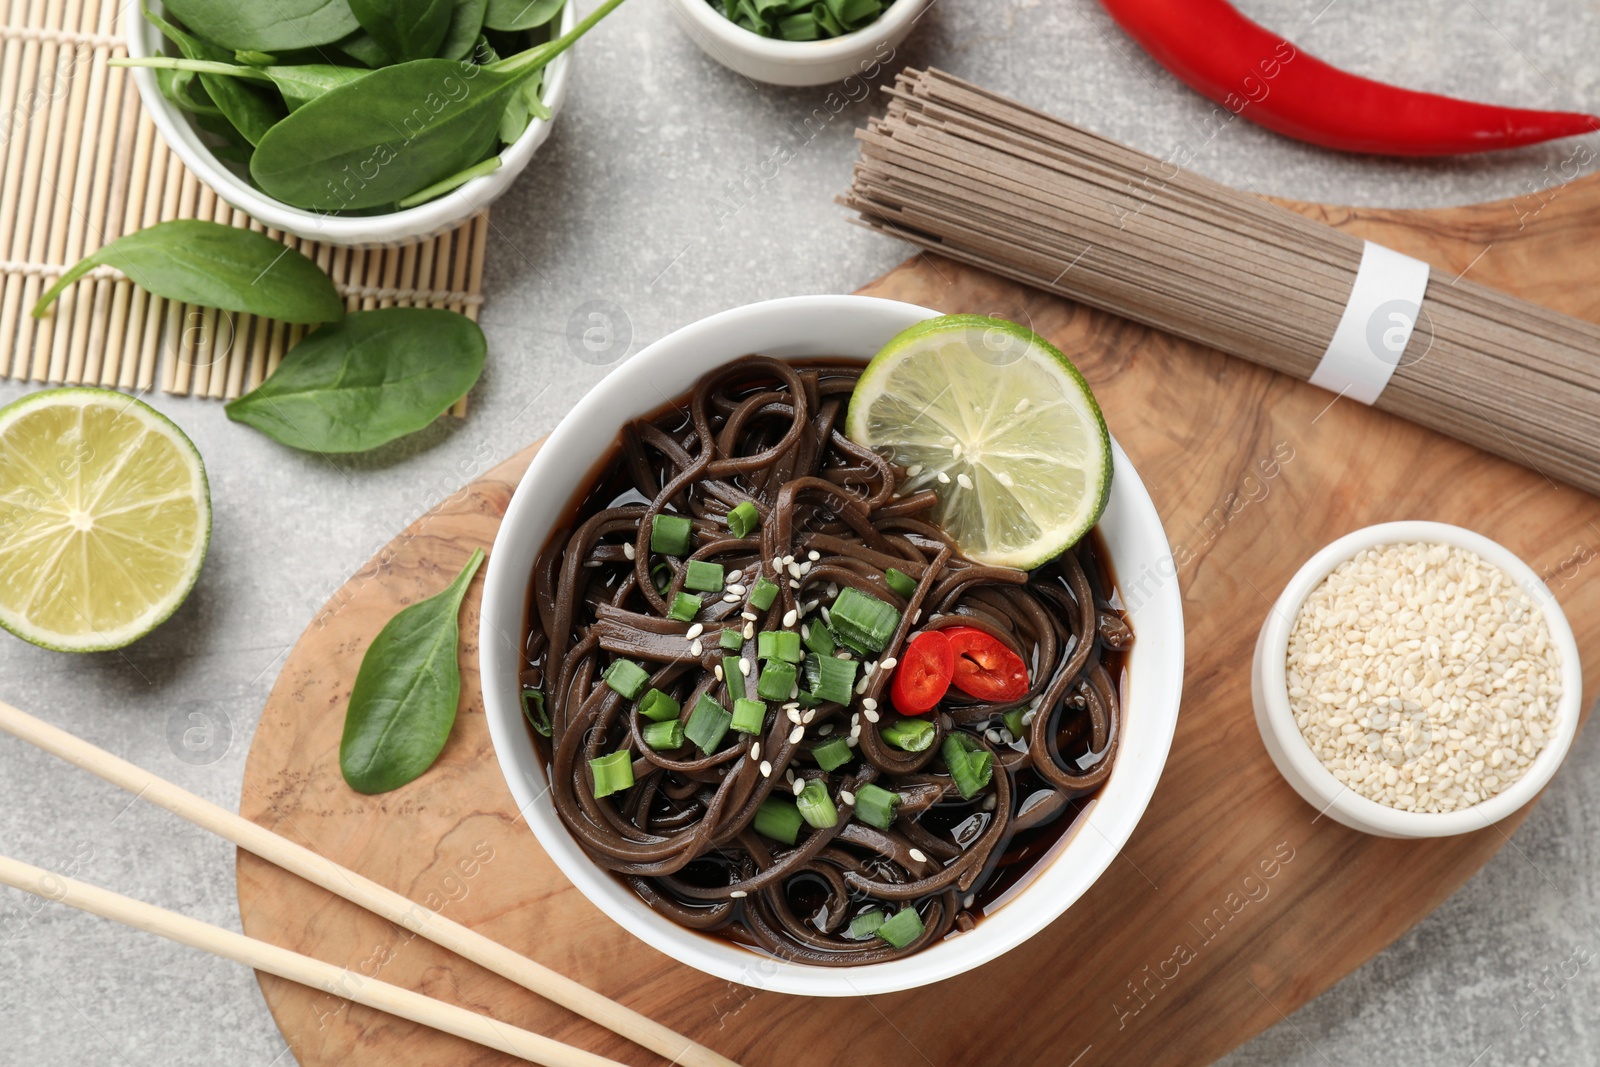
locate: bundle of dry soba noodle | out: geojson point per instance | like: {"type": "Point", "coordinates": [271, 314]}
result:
{"type": "Point", "coordinates": [983, 179]}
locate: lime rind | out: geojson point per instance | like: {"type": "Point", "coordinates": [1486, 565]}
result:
{"type": "Point", "coordinates": [1000, 424]}
{"type": "Point", "coordinates": [105, 519]}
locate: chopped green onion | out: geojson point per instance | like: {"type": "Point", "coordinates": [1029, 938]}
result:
{"type": "Point", "coordinates": [778, 819]}
{"type": "Point", "coordinates": [612, 773]}
{"type": "Point", "coordinates": [833, 753]}
{"type": "Point", "coordinates": [876, 806]}
{"type": "Point", "coordinates": [801, 27]}
{"type": "Point", "coordinates": [708, 724]}
{"type": "Point", "coordinates": [818, 639]}
{"type": "Point", "coordinates": [865, 925]}
{"type": "Point", "coordinates": [816, 806]}
{"type": "Point", "coordinates": [685, 606]}
{"type": "Point", "coordinates": [909, 735]}
{"type": "Point", "coordinates": [749, 716]}
{"type": "Point", "coordinates": [862, 621]}
{"type": "Point", "coordinates": [733, 676]}
{"type": "Point", "coordinates": [1013, 720]}
{"type": "Point", "coordinates": [626, 677]}
{"type": "Point", "coordinates": [762, 594]}
{"type": "Point", "coordinates": [970, 767]}
{"type": "Point", "coordinates": [777, 681]}
{"type": "Point", "coordinates": [664, 736]}
{"type": "Point", "coordinates": [901, 582]}
{"type": "Point", "coordinates": [537, 717]}
{"type": "Point", "coordinates": [744, 520]}
{"type": "Point", "coordinates": [659, 707]}
{"type": "Point", "coordinates": [830, 680]}
{"type": "Point", "coordinates": [731, 640]}
{"type": "Point", "coordinates": [670, 534]}
{"type": "Point", "coordinates": [902, 928]}
{"type": "Point", "coordinates": [661, 577]}
{"type": "Point", "coordinates": [702, 576]}
{"type": "Point", "coordinates": [779, 644]}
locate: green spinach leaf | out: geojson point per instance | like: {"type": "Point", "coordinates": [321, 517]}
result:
{"type": "Point", "coordinates": [521, 14]}
{"type": "Point", "coordinates": [466, 22]}
{"type": "Point", "coordinates": [367, 379]}
{"type": "Point", "coordinates": [251, 112]}
{"type": "Point", "coordinates": [278, 25]}
{"type": "Point", "coordinates": [407, 29]}
{"type": "Point", "coordinates": [397, 131]}
{"type": "Point", "coordinates": [362, 47]}
{"type": "Point", "coordinates": [403, 703]}
{"type": "Point", "coordinates": [216, 266]}
{"type": "Point", "coordinates": [298, 85]}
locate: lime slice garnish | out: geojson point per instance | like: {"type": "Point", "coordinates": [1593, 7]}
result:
{"type": "Point", "coordinates": [104, 518]}
{"type": "Point", "coordinates": [1000, 424]}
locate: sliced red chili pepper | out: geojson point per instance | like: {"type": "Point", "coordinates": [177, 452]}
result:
{"type": "Point", "coordinates": [922, 676]}
{"type": "Point", "coordinates": [1256, 73]}
{"type": "Point", "coordinates": [985, 667]}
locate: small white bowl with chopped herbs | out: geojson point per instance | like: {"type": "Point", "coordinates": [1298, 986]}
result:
{"type": "Point", "coordinates": [800, 43]}
{"type": "Point", "coordinates": [1417, 679]}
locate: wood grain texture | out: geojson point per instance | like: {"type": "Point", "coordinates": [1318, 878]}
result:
{"type": "Point", "coordinates": [1232, 904]}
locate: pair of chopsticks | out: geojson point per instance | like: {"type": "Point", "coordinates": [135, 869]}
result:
{"type": "Point", "coordinates": [355, 888]}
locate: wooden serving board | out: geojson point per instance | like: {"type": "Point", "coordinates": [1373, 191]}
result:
{"type": "Point", "coordinates": [1233, 903]}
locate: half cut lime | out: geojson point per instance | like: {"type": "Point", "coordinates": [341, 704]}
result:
{"type": "Point", "coordinates": [1000, 424]}
{"type": "Point", "coordinates": [105, 516]}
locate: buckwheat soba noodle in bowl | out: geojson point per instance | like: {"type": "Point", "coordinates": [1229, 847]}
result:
{"type": "Point", "coordinates": [828, 668]}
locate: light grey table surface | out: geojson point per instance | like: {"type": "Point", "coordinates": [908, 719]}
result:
{"type": "Point", "coordinates": [625, 204]}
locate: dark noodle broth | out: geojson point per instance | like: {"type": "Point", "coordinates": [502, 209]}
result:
{"type": "Point", "coordinates": [684, 834]}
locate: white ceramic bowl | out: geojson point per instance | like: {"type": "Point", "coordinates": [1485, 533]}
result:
{"type": "Point", "coordinates": [1300, 766]}
{"type": "Point", "coordinates": [861, 53]}
{"type": "Point", "coordinates": [418, 223]}
{"type": "Point", "coordinates": [795, 328]}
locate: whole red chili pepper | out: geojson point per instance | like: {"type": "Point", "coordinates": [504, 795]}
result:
{"type": "Point", "coordinates": [1254, 72]}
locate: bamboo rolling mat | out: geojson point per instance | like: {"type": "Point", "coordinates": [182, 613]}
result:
{"type": "Point", "coordinates": [81, 164]}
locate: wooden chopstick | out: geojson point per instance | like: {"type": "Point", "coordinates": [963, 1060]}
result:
{"type": "Point", "coordinates": [535, 1048]}
{"type": "Point", "coordinates": [358, 889]}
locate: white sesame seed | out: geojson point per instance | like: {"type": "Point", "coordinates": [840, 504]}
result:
{"type": "Point", "coordinates": [695, 631]}
{"type": "Point", "coordinates": [735, 574]}
{"type": "Point", "coordinates": [788, 560]}
{"type": "Point", "coordinates": [755, 750]}
{"type": "Point", "coordinates": [796, 735]}
{"type": "Point", "coordinates": [810, 606]}
{"type": "Point", "coordinates": [913, 470]}
{"type": "Point", "coordinates": [793, 714]}
{"type": "Point", "coordinates": [791, 706]}
{"type": "Point", "coordinates": [989, 802]}
{"type": "Point", "coordinates": [916, 616]}
{"type": "Point", "coordinates": [869, 704]}
{"type": "Point", "coordinates": [855, 731]}
{"type": "Point", "coordinates": [947, 440]}
{"type": "Point", "coordinates": [853, 740]}
{"type": "Point", "coordinates": [918, 855]}
{"type": "Point", "coordinates": [963, 481]}
{"type": "Point", "coordinates": [736, 589]}
{"type": "Point", "coordinates": [805, 632]}
{"type": "Point", "coordinates": [788, 775]}
{"type": "Point", "coordinates": [807, 715]}
{"type": "Point", "coordinates": [716, 669]}
{"type": "Point", "coordinates": [861, 686]}
{"type": "Point", "coordinates": [888, 664]}
{"type": "Point", "coordinates": [825, 729]}
{"type": "Point", "coordinates": [748, 616]}
{"type": "Point", "coordinates": [871, 715]}
{"type": "Point", "coordinates": [766, 769]}
{"type": "Point", "coordinates": [749, 630]}
{"type": "Point", "coordinates": [795, 571]}
{"type": "Point", "coordinates": [993, 736]}
{"type": "Point", "coordinates": [744, 666]}
{"type": "Point", "coordinates": [777, 563]}
{"type": "Point", "coordinates": [827, 616]}
{"type": "Point", "coordinates": [968, 900]}
{"type": "Point", "coordinates": [955, 451]}
{"type": "Point", "coordinates": [943, 478]}
{"type": "Point", "coordinates": [1022, 405]}
{"type": "Point", "coordinates": [629, 551]}
{"type": "Point", "coordinates": [847, 796]}
{"type": "Point", "coordinates": [730, 598]}
{"type": "Point", "coordinates": [738, 894]}
{"type": "Point", "coordinates": [794, 583]}
{"type": "Point", "coordinates": [813, 555]}
{"type": "Point", "coordinates": [799, 786]}
{"type": "Point", "coordinates": [695, 648]}
{"type": "Point", "coordinates": [790, 617]}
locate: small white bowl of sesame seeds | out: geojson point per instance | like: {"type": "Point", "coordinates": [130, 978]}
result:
{"type": "Point", "coordinates": [1416, 679]}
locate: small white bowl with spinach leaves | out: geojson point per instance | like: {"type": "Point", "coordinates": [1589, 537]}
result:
{"type": "Point", "coordinates": [800, 42]}
{"type": "Point", "coordinates": [280, 107]}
